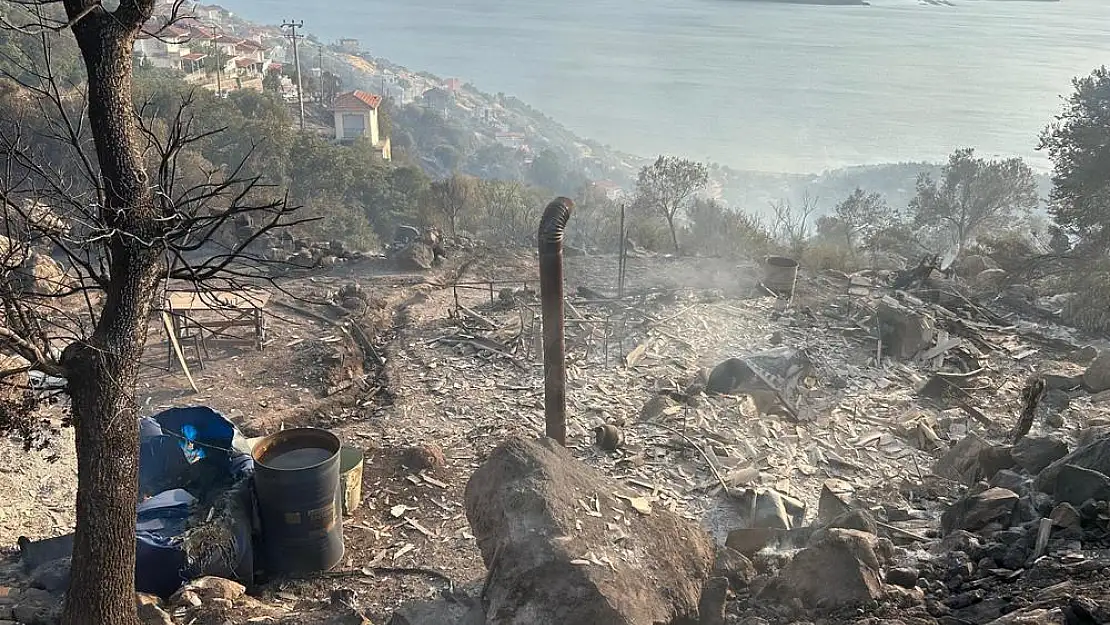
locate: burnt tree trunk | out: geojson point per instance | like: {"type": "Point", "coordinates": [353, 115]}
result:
{"type": "Point", "coordinates": [102, 372]}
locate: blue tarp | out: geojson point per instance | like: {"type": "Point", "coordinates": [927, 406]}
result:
{"type": "Point", "coordinates": [173, 485]}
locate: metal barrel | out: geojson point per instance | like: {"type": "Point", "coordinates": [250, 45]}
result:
{"type": "Point", "coordinates": [296, 480]}
{"type": "Point", "coordinates": [780, 274]}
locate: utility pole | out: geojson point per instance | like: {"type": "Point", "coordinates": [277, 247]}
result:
{"type": "Point", "coordinates": [293, 26]}
{"type": "Point", "coordinates": [320, 78]}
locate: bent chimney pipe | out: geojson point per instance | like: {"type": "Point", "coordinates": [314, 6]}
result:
{"type": "Point", "coordinates": [552, 226]}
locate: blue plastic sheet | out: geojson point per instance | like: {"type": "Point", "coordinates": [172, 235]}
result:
{"type": "Point", "coordinates": [188, 456]}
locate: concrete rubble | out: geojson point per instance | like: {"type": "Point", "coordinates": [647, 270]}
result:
{"type": "Point", "coordinates": [893, 487]}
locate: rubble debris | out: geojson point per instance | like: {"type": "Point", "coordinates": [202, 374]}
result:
{"type": "Point", "coordinates": [977, 510]}
{"type": "Point", "coordinates": [904, 332]}
{"type": "Point", "coordinates": [525, 506]}
{"type": "Point", "coordinates": [840, 570]}
{"type": "Point", "coordinates": [904, 577]}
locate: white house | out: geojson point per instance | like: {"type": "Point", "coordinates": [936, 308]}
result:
{"type": "Point", "coordinates": [356, 115]}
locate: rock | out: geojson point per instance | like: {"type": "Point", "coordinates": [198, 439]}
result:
{"type": "Point", "coordinates": [904, 332]}
{"type": "Point", "coordinates": [904, 577]}
{"type": "Point", "coordinates": [841, 570]}
{"type": "Point", "coordinates": [1097, 376]}
{"type": "Point", "coordinates": [426, 457]}
{"type": "Point", "coordinates": [861, 520]}
{"type": "Point", "coordinates": [522, 504]}
{"type": "Point", "coordinates": [994, 459]}
{"type": "Point", "coordinates": [1075, 485]}
{"type": "Point", "coordinates": [52, 576]}
{"type": "Point", "coordinates": [1065, 515]}
{"type": "Point", "coordinates": [974, 512]}
{"type": "Point", "coordinates": [735, 567]}
{"type": "Point", "coordinates": [991, 279]}
{"type": "Point", "coordinates": [750, 540]}
{"type": "Point", "coordinates": [1011, 480]}
{"type": "Point", "coordinates": [1094, 455]}
{"type": "Point", "coordinates": [770, 511]}
{"type": "Point", "coordinates": [437, 612]}
{"type": "Point", "coordinates": [1084, 355]}
{"type": "Point", "coordinates": [1062, 381]}
{"type": "Point", "coordinates": [972, 265]}
{"type": "Point", "coordinates": [961, 541]}
{"type": "Point", "coordinates": [416, 256]}
{"type": "Point", "coordinates": [1030, 616]}
{"type": "Point", "coordinates": [1034, 454]}
{"type": "Point", "coordinates": [211, 588]}
{"type": "Point", "coordinates": [961, 463]}
{"type": "Point", "coordinates": [151, 614]}
{"type": "Point", "coordinates": [835, 497]}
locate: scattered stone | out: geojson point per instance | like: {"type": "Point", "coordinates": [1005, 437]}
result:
{"type": "Point", "coordinates": [152, 614]}
{"type": "Point", "coordinates": [991, 279]}
{"type": "Point", "coordinates": [1094, 455]}
{"type": "Point", "coordinates": [1034, 454]}
{"type": "Point", "coordinates": [1097, 376]}
{"type": "Point", "coordinates": [964, 599]}
{"type": "Point", "coordinates": [426, 457]}
{"type": "Point", "coordinates": [1065, 515]}
{"type": "Point", "coordinates": [210, 588]}
{"type": "Point", "coordinates": [959, 540]}
{"type": "Point", "coordinates": [735, 567]}
{"type": "Point", "coordinates": [961, 463]}
{"type": "Point", "coordinates": [1084, 355]}
{"type": "Point", "coordinates": [1031, 616]}
{"type": "Point", "coordinates": [841, 570]}
{"type": "Point", "coordinates": [551, 563]}
{"type": "Point", "coordinates": [976, 511]}
{"type": "Point", "coordinates": [904, 577]}
{"type": "Point", "coordinates": [1075, 485]}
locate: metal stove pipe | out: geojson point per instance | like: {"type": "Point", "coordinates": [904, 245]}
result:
{"type": "Point", "coordinates": [552, 226]}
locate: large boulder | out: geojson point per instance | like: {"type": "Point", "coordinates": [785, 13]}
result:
{"type": "Point", "coordinates": [961, 462]}
{"type": "Point", "coordinates": [976, 511]}
{"type": "Point", "coordinates": [1075, 485]}
{"type": "Point", "coordinates": [839, 570]}
{"type": "Point", "coordinates": [416, 256]}
{"type": "Point", "coordinates": [1097, 376]}
{"type": "Point", "coordinates": [1034, 454]}
{"type": "Point", "coordinates": [551, 561]}
{"type": "Point", "coordinates": [1093, 455]}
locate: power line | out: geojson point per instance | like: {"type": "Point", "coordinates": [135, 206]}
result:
{"type": "Point", "coordinates": [293, 36]}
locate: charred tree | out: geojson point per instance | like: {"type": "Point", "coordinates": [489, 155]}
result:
{"type": "Point", "coordinates": [130, 228]}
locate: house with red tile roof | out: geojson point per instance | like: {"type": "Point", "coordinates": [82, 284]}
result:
{"type": "Point", "coordinates": [356, 115]}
